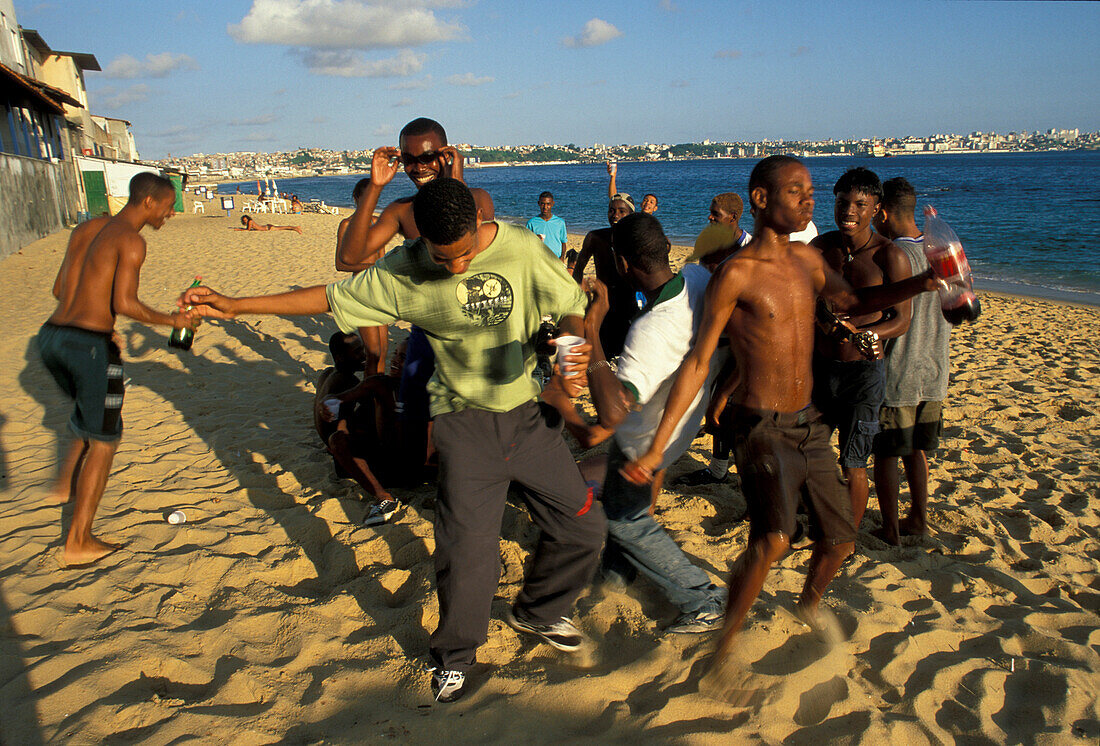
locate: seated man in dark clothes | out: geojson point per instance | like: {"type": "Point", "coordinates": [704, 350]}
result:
{"type": "Point", "coordinates": [355, 420]}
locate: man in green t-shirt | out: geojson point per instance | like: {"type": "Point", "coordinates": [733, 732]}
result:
{"type": "Point", "coordinates": [478, 290]}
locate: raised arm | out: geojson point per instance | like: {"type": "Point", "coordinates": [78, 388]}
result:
{"type": "Point", "coordinates": [722, 293]}
{"type": "Point", "coordinates": [612, 188]}
{"type": "Point", "coordinates": [124, 297]}
{"type": "Point", "coordinates": [361, 240]}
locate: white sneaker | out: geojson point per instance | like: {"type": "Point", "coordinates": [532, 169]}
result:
{"type": "Point", "coordinates": [380, 513]}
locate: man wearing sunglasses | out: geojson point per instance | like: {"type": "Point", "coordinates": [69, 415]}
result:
{"type": "Point", "coordinates": [424, 155]}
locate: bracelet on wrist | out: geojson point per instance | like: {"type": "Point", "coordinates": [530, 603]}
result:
{"type": "Point", "coordinates": [594, 366]}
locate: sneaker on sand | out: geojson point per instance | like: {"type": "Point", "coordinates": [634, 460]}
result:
{"type": "Point", "coordinates": [562, 634]}
{"type": "Point", "coordinates": [447, 685]}
{"type": "Point", "coordinates": [380, 513]}
{"type": "Point", "coordinates": [699, 478]}
{"type": "Point", "coordinates": [696, 622]}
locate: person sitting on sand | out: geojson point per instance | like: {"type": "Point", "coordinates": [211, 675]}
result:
{"type": "Point", "coordinates": [850, 381]}
{"type": "Point", "coordinates": [360, 432]}
{"type": "Point", "coordinates": [917, 368]}
{"type": "Point", "coordinates": [478, 290]}
{"type": "Point", "coordinates": [98, 279]}
{"type": "Point", "coordinates": [251, 225]}
{"type": "Point", "coordinates": [295, 204]}
{"type": "Point", "coordinates": [624, 304]}
{"type": "Point", "coordinates": [649, 202]}
{"type": "Point", "coordinates": [763, 299]}
{"type": "Point", "coordinates": [630, 400]}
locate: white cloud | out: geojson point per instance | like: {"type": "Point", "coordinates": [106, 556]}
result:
{"type": "Point", "coordinates": [669, 6]}
{"type": "Point", "coordinates": [412, 85]}
{"type": "Point", "coordinates": [113, 98]}
{"type": "Point", "coordinates": [403, 102]}
{"type": "Point", "coordinates": [153, 66]}
{"type": "Point", "coordinates": [343, 24]}
{"type": "Point", "coordinates": [344, 63]}
{"type": "Point", "coordinates": [595, 32]}
{"type": "Point", "coordinates": [680, 84]}
{"type": "Point", "coordinates": [729, 54]}
{"type": "Point", "coordinates": [468, 80]}
{"type": "Point", "coordinates": [513, 94]}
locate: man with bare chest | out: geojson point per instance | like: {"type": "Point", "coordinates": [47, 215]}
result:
{"type": "Point", "coordinates": [849, 367]}
{"type": "Point", "coordinates": [763, 299]}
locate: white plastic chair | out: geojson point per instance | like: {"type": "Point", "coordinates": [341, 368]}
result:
{"type": "Point", "coordinates": [199, 207]}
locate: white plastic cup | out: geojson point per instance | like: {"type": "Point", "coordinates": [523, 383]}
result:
{"type": "Point", "coordinates": [333, 406]}
{"type": "Point", "coordinates": [565, 345]}
{"type": "Point", "coordinates": [177, 517]}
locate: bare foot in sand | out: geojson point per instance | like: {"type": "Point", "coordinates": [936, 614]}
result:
{"type": "Point", "coordinates": [87, 552]}
{"type": "Point", "coordinates": [729, 682]}
{"type": "Point", "coordinates": [821, 621]}
{"type": "Point", "coordinates": [911, 527]}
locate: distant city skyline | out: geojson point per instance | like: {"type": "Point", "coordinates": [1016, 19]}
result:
{"type": "Point", "coordinates": [277, 75]}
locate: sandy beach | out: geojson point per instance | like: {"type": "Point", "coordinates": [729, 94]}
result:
{"type": "Point", "coordinates": [271, 616]}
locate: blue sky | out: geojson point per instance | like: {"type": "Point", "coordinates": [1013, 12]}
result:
{"type": "Point", "coordinates": [269, 75]}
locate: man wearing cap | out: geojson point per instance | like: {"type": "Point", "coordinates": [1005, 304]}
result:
{"type": "Point", "coordinates": [621, 296]}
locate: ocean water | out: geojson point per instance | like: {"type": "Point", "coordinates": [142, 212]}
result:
{"type": "Point", "coordinates": [1030, 222]}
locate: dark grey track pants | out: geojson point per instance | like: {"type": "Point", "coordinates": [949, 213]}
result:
{"type": "Point", "coordinates": [480, 454]}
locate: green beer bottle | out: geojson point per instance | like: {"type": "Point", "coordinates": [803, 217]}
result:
{"type": "Point", "coordinates": [182, 338]}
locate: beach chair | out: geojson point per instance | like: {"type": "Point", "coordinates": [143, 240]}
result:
{"type": "Point", "coordinates": [199, 207]}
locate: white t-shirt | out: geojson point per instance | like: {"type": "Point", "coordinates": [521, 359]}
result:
{"type": "Point", "coordinates": [805, 236]}
{"type": "Point", "coordinates": [658, 340]}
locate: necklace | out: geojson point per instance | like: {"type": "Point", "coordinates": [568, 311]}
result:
{"type": "Point", "coordinates": [850, 255]}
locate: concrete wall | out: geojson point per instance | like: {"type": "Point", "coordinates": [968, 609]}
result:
{"type": "Point", "coordinates": [38, 198]}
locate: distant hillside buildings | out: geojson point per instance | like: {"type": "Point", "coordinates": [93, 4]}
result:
{"type": "Point", "coordinates": [320, 161]}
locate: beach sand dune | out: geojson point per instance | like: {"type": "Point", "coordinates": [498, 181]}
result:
{"type": "Point", "coordinates": [270, 616]}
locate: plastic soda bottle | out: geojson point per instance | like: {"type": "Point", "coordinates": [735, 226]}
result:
{"type": "Point", "coordinates": [182, 338]}
{"type": "Point", "coordinates": [945, 253]}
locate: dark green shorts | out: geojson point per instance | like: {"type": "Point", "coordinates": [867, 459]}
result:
{"type": "Point", "coordinates": [87, 365]}
{"type": "Point", "coordinates": [906, 430]}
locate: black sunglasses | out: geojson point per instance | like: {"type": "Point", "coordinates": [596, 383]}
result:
{"type": "Point", "coordinates": [425, 158]}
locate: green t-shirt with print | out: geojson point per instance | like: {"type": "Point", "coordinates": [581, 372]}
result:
{"type": "Point", "coordinates": [481, 324]}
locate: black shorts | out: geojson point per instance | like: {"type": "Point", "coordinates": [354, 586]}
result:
{"type": "Point", "coordinates": [87, 365]}
{"type": "Point", "coordinates": [784, 458]}
{"type": "Point", "coordinates": [906, 430]}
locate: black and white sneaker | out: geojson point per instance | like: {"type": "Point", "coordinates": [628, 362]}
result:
{"type": "Point", "coordinates": [447, 685]}
{"type": "Point", "coordinates": [696, 622]}
{"type": "Point", "coordinates": [562, 634]}
{"type": "Point", "coordinates": [380, 513]}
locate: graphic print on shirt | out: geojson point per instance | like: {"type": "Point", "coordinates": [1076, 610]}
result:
{"type": "Point", "coordinates": [486, 298]}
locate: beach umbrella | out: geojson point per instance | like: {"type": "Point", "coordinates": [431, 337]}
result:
{"type": "Point", "coordinates": [274, 189]}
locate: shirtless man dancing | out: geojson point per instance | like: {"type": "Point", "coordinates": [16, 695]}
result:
{"type": "Point", "coordinates": [97, 280]}
{"type": "Point", "coordinates": [763, 299]}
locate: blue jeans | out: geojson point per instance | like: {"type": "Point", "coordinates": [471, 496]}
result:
{"type": "Point", "coordinates": [634, 536]}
